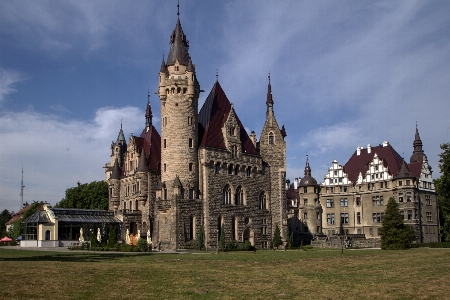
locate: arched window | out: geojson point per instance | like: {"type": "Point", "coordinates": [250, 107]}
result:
{"type": "Point", "coordinates": [217, 168]}
{"type": "Point", "coordinates": [262, 201]}
{"type": "Point", "coordinates": [230, 169]}
{"type": "Point", "coordinates": [248, 171]}
{"type": "Point", "coordinates": [239, 198]}
{"type": "Point", "coordinates": [271, 138]}
{"type": "Point", "coordinates": [136, 206]}
{"type": "Point", "coordinates": [226, 195]}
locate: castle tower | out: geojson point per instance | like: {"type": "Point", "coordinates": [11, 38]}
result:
{"type": "Point", "coordinates": [418, 153]}
{"type": "Point", "coordinates": [179, 91]}
{"type": "Point", "coordinates": [273, 151]}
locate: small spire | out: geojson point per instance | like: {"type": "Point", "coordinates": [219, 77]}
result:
{"type": "Point", "coordinates": [307, 168]}
{"type": "Point", "coordinates": [148, 113]}
{"type": "Point", "coordinates": [163, 68]}
{"type": "Point", "coordinates": [269, 100]}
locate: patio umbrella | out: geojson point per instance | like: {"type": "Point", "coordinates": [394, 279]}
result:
{"type": "Point", "coordinates": [6, 239]}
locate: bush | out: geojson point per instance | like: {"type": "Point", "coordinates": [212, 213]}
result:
{"type": "Point", "coordinates": [125, 248]}
{"type": "Point", "coordinates": [112, 237]}
{"type": "Point", "coordinates": [277, 237]}
{"type": "Point", "coordinates": [142, 245]}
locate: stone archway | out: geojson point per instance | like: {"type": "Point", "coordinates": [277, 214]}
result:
{"type": "Point", "coordinates": [249, 235]}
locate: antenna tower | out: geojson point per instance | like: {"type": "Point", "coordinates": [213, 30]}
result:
{"type": "Point", "coordinates": [21, 190]}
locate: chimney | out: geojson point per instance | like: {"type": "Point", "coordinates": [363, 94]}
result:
{"type": "Point", "coordinates": [295, 183]}
{"type": "Point", "coordinates": [369, 149]}
{"type": "Point", "coordinates": [385, 143]}
{"type": "Point", "coordinates": [358, 150]}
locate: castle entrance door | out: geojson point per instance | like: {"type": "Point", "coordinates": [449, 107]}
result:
{"type": "Point", "coordinates": [133, 228]}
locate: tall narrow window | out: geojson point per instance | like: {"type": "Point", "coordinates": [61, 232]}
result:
{"type": "Point", "coordinates": [239, 198]}
{"type": "Point", "coordinates": [271, 138]}
{"type": "Point", "coordinates": [226, 195]}
{"type": "Point", "coordinates": [262, 201]}
{"type": "Point", "coordinates": [191, 144]}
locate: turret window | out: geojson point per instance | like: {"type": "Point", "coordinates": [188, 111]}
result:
{"type": "Point", "coordinates": [271, 138]}
{"type": "Point", "coordinates": [262, 201]}
{"type": "Point", "coordinates": [191, 167]}
{"type": "Point", "coordinates": [191, 144]}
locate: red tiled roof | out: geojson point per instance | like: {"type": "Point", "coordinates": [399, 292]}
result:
{"type": "Point", "coordinates": [360, 163]}
{"type": "Point", "coordinates": [416, 169]}
{"type": "Point", "coordinates": [18, 215]}
{"type": "Point", "coordinates": [212, 117]}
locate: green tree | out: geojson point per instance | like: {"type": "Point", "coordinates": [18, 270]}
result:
{"type": "Point", "coordinates": [276, 241]}
{"type": "Point", "coordinates": [17, 227]}
{"type": "Point", "coordinates": [5, 216]}
{"type": "Point", "coordinates": [94, 241]}
{"type": "Point", "coordinates": [222, 238]}
{"type": "Point", "coordinates": [112, 237]}
{"type": "Point", "coordinates": [442, 185]}
{"type": "Point", "coordinates": [395, 235]}
{"type": "Point", "coordinates": [92, 195]}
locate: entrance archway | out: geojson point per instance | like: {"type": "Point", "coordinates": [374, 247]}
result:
{"type": "Point", "coordinates": [249, 235]}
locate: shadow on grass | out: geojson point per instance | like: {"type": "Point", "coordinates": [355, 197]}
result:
{"type": "Point", "coordinates": [66, 257]}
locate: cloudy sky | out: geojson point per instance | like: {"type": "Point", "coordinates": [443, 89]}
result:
{"type": "Point", "coordinates": [343, 74]}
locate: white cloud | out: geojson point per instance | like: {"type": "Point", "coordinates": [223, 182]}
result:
{"type": "Point", "coordinates": [57, 153]}
{"type": "Point", "coordinates": [8, 79]}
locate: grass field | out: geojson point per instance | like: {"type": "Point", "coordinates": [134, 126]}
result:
{"type": "Point", "coordinates": [312, 274]}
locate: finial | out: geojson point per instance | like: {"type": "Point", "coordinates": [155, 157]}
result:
{"type": "Point", "coordinates": [148, 95]}
{"type": "Point", "coordinates": [217, 75]}
{"type": "Point", "coordinates": [269, 76]}
{"type": "Point", "coordinates": [178, 7]}
{"type": "Point", "coordinates": [121, 123]}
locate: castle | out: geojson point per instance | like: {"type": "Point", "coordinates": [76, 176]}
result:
{"type": "Point", "coordinates": [203, 171]}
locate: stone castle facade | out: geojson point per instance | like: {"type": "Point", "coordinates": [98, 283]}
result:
{"type": "Point", "coordinates": [203, 171]}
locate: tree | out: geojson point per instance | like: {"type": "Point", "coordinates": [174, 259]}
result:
{"type": "Point", "coordinates": [92, 195]}
{"type": "Point", "coordinates": [276, 241]}
{"type": "Point", "coordinates": [5, 216]}
{"type": "Point", "coordinates": [17, 227]}
{"type": "Point", "coordinates": [442, 185]}
{"type": "Point", "coordinates": [112, 237]}
{"type": "Point", "coordinates": [395, 235]}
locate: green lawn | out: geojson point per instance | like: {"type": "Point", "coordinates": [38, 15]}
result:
{"type": "Point", "coordinates": [312, 274]}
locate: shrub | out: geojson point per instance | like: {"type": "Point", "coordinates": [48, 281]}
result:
{"type": "Point", "coordinates": [112, 237]}
{"type": "Point", "coordinates": [277, 237]}
{"type": "Point", "coordinates": [142, 245]}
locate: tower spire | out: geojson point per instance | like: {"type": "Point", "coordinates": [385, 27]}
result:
{"type": "Point", "coordinates": [148, 113]}
{"type": "Point", "coordinates": [269, 100]}
{"type": "Point", "coordinates": [21, 191]}
{"type": "Point", "coordinates": [418, 154]}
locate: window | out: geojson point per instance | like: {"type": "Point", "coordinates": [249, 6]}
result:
{"type": "Point", "coordinates": [230, 169]}
{"type": "Point", "coordinates": [305, 201]}
{"type": "Point", "coordinates": [358, 218]}
{"type": "Point", "coordinates": [217, 168]}
{"type": "Point", "coordinates": [232, 131]}
{"type": "Point", "coordinates": [344, 202]}
{"type": "Point", "coordinates": [191, 167]}
{"type": "Point", "coordinates": [400, 197]}
{"type": "Point", "coordinates": [191, 193]}
{"type": "Point", "coordinates": [305, 189]}
{"type": "Point", "coordinates": [226, 195]}
{"type": "Point", "coordinates": [177, 68]}
{"type": "Point", "coordinates": [429, 219]}
{"type": "Point", "coordinates": [400, 183]}
{"type": "Point", "coordinates": [381, 184]}
{"type": "Point", "coordinates": [358, 201]}
{"type": "Point", "coordinates": [410, 215]}
{"type": "Point", "coordinates": [271, 138]}
{"type": "Point", "coordinates": [165, 143]}
{"type": "Point", "coordinates": [236, 170]}
{"type": "Point", "coordinates": [165, 194]}
{"type": "Point", "coordinates": [248, 171]}
{"type": "Point", "coordinates": [344, 218]}
{"type": "Point", "coordinates": [386, 184]}
{"type": "Point", "coordinates": [191, 144]}
{"type": "Point", "coordinates": [408, 182]}
{"type": "Point", "coordinates": [124, 206]}
{"type": "Point", "coordinates": [377, 200]}
{"type": "Point", "coordinates": [428, 199]}
{"type": "Point", "coordinates": [330, 219]}
{"type": "Point", "coordinates": [377, 217]}
{"type": "Point", "coordinates": [262, 201]}
{"type": "Point", "coordinates": [239, 196]}
{"type": "Point", "coordinates": [318, 216]}
{"type": "Point", "coordinates": [408, 197]}
{"type": "Point", "coordinates": [330, 202]}
{"type": "Point", "coordinates": [305, 216]}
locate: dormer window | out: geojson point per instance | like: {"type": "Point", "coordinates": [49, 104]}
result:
{"type": "Point", "coordinates": [177, 68]}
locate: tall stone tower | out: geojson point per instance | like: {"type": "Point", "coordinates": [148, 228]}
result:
{"type": "Point", "coordinates": [273, 151]}
{"type": "Point", "coordinates": [178, 91]}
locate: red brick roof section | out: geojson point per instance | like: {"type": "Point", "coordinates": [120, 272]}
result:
{"type": "Point", "coordinates": [360, 163]}
{"type": "Point", "coordinates": [211, 119]}
{"type": "Point", "coordinates": [151, 141]}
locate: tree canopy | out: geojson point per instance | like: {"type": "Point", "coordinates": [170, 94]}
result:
{"type": "Point", "coordinates": [92, 195]}
{"type": "Point", "coordinates": [395, 235]}
{"type": "Point", "coordinates": [5, 216]}
{"type": "Point", "coordinates": [277, 241]}
{"type": "Point", "coordinates": [443, 189]}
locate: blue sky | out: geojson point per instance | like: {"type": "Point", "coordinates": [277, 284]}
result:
{"type": "Point", "coordinates": [343, 74]}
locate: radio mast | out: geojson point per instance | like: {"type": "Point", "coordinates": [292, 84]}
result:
{"type": "Point", "coordinates": [21, 191]}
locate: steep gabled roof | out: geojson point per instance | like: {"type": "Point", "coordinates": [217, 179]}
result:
{"type": "Point", "coordinates": [212, 117]}
{"type": "Point", "coordinates": [360, 163]}
{"type": "Point", "coordinates": [179, 47]}
{"type": "Point", "coordinates": [151, 142]}
{"type": "Point", "coordinates": [404, 171]}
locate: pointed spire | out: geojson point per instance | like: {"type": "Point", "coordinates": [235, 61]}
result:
{"type": "Point", "coordinates": [190, 66]}
{"type": "Point", "coordinates": [283, 131]}
{"type": "Point", "coordinates": [179, 47]}
{"type": "Point", "coordinates": [115, 174]}
{"type": "Point", "coordinates": [121, 136]}
{"type": "Point", "coordinates": [163, 68]}
{"type": "Point", "coordinates": [307, 168]}
{"type": "Point", "coordinates": [148, 113]}
{"type": "Point", "coordinates": [143, 165]}
{"type": "Point", "coordinates": [418, 153]}
{"type": "Point", "coordinates": [404, 171]}
{"type": "Point", "coordinates": [269, 93]}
